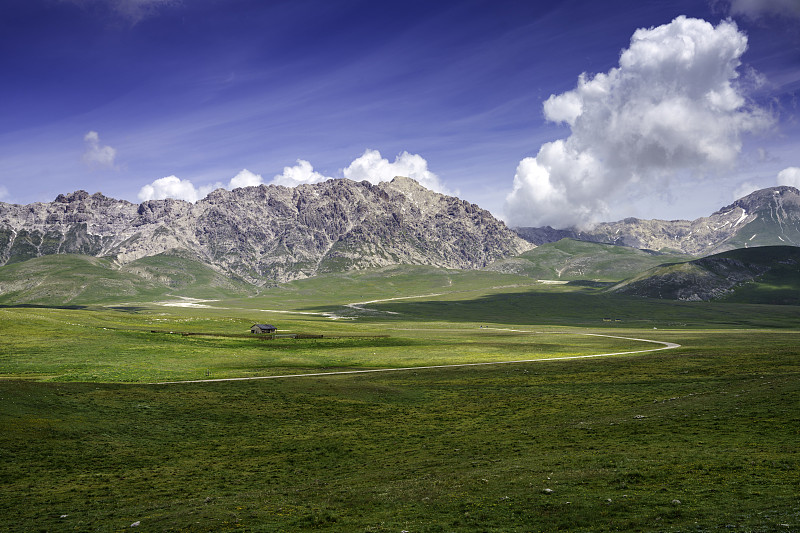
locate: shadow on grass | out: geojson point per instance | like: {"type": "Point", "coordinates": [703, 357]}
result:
{"type": "Point", "coordinates": [42, 306]}
{"type": "Point", "coordinates": [585, 309]}
{"type": "Point", "coordinates": [127, 308]}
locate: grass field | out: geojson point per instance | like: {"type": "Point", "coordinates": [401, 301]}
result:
{"type": "Point", "coordinates": [103, 346]}
{"type": "Point", "coordinates": [699, 438]}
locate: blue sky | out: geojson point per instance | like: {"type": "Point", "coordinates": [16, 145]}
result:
{"type": "Point", "coordinates": [115, 96]}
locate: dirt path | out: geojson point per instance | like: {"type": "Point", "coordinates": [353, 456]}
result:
{"type": "Point", "coordinates": [360, 305]}
{"type": "Point", "coordinates": [665, 346]}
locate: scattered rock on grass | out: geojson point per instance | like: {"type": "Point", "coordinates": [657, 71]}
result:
{"type": "Point", "coordinates": [547, 491]}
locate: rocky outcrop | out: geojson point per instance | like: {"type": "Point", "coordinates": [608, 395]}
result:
{"type": "Point", "coordinates": [269, 234]}
{"type": "Point", "coordinates": [766, 217]}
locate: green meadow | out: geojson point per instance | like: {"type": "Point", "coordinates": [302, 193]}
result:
{"type": "Point", "coordinates": [703, 437]}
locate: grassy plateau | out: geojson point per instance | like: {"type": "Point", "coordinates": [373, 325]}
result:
{"type": "Point", "coordinates": [703, 437]}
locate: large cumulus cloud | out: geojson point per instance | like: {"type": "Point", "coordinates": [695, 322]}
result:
{"type": "Point", "coordinates": [671, 107]}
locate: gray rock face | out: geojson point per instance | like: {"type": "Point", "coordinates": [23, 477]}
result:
{"type": "Point", "coordinates": [269, 234]}
{"type": "Point", "coordinates": [766, 217]}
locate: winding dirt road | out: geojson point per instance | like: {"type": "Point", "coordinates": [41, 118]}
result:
{"type": "Point", "coordinates": [665, 346]}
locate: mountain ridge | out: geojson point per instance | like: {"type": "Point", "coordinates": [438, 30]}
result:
{"type": "Point", "coordinates": [765, 217]}
{"type": "Point", "coordinates": [268, 234]}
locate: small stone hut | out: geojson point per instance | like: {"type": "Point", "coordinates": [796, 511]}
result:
{"type": "Point", "coordinates": [263, 328]}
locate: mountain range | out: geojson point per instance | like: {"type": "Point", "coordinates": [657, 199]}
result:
{"type": "Point", "coordinates": [267, 235]}
{"type": "Point", "coordinates": [764, 218]}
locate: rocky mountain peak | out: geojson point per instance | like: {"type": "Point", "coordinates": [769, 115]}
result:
{"type": "Point", "coordinates": [76, 196]}
{"type": "Point", "coordinates": [765, 198]}
{"type": "Point", "coordinates": [406, 185]}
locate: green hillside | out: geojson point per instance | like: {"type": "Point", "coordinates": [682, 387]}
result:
{"type": "Point", "coordinates": [763, 275]}
{"type": "Point", "coordinates": [68, 279]}
{"type": "Point", "coordinates": [569, 259]}
{"type": "Point", "coordinates": [184, 275]}
{"type": "Point", "coordinates": [780, 284]}
{"type": "Point", "coordinates": [765, 231]}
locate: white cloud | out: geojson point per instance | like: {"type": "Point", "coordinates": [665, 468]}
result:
{"type": "Point", "coordinates": [298, 174]}
{"type": "Point", "coordinates": [174, 187]}
{"type": "Point", "coordinates": [789, 176]}
{"type": "Point", "coordinates": [245, 178]}
{"type": "Point", "coordinates": [372, 167]}
{"type": "Point", "coordinates": [96, 155]}
{"type": "Point", "coordinates": [670, 108]}
{"type": "Point", "coordinates": [756, 9]}
{"type": "Point", "coordinates": [3, 193]}
{"type": "Point", "coordinates": [566, 107]}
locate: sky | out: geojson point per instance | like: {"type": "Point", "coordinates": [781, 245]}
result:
{"type": "Point", "coordinates": [561, 113]}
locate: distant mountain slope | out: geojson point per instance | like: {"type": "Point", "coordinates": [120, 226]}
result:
{"type": "Point", "coordinates": [764, 218]}
{"type": "Point", "coordinates": [69, 279]}
{"type": "Point", "coordinates": [769, 274]}
{"type": "Point", "coordinates": [569, 259]}
{"type": "Point", "coordinates": [268, 234]}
